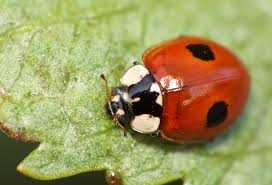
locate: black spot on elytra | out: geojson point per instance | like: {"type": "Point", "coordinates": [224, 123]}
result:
{"type": "Point", "coordinates": [201, 51]}
{"type": "Point", "coordinates": [147, 99]}
{"type": "Point", "coordinates": [217, 114]}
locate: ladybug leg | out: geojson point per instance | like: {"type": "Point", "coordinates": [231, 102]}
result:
{"type": "Point", "coordinates": [115, 119]}
{"type": "Point", "coordinates": [155, 134]}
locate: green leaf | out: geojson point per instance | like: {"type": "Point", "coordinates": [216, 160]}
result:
{"type": "Point", "coordinates": [53, 52]}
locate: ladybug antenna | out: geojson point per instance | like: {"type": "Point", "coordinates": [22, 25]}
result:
{"type": "Point", "coordinates": [103, 77]}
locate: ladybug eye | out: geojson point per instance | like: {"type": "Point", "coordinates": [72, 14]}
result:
{"type": "Point", "coordinates": [217, 114]}
{"type": "Point", "coordinates": [201, 51]}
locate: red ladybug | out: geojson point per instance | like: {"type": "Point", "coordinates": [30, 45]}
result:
{"type": "Point", "coordinates": [190, 89]}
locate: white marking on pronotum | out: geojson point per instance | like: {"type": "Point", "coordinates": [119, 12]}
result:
{"type": "Point", "coordinates": [136, 99]}
{"type": "Point", "coordinates": [134, 75]}
{"type": "Point", "coordinates": [155, 88]}
{"type": "Point", "coordinates": [159, 100]}
{"type": "Point", "coordinates": [126, 97]}
{"type": "Point", "coordinates": [145, 123]}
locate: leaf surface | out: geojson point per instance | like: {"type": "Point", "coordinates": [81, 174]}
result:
{"type": "Point", "coordinates": [53, 52]}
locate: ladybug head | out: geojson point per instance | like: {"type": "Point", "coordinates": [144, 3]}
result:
{"type": "Point", "coordinates": [119, 105]}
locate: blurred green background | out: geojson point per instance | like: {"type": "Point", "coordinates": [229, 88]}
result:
{"type": "Point", "coordinates": [12, 152]}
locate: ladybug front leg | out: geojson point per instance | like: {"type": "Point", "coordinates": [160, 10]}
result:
{"type": "Point", "coordinates": [115, 119]}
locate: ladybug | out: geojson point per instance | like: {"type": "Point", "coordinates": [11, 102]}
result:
{"type": "Point", "coordinates": [189, 89]}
